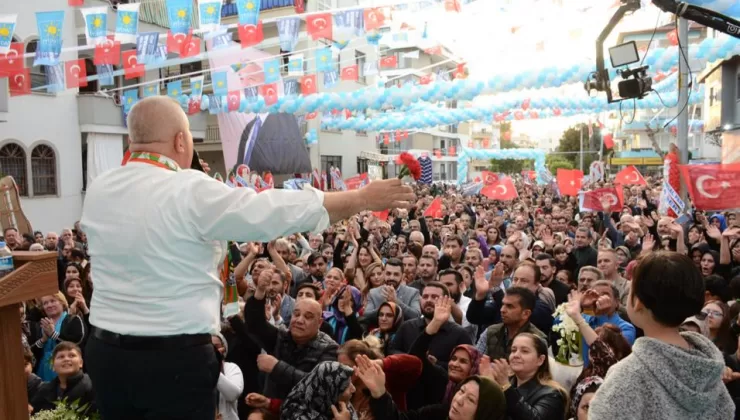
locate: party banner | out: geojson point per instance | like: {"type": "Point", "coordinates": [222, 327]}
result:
{"type": "Point", "coordinates": [196, 86]}
{"type": "Point", "coordinates": [160, 56]}
{"type": "Point", "coordinates": [331, 78]}
{"type": "Point", "coordinates": [272, 70]}
{"type": "Point", "coordinates": [147, 44]}
{"type": "Point", "coordinates": [180, 13]}
{"type": "Point", "coordinates": [50, 38]}
{"type": "Point", "coordinates": [151, 90]}
{"type": "Point", "coordinates": [324, 60]}
{"type": "Point", "coordinates": [96, 24]}
{"type": "Point", "coordinates": [291, 87]}
{"type": "Point", "coordinates": [55, 78]}
{"type": "Point", "coordinates": [174, 89]}
{"type": "Point", "coordinates": [105, 75]}
{"type": "Point", "coordinates": [248, 11]}
{"type": "Point", "coordinates": [219, 80]}
{"type": "Point", "coordinates": [7, 28]}
{"type": "Point", "coordinates": [288, 29]}
{"type": "Point", "coordinates": [295, 184]}
{"type": "Point", "coordinates": [295, 65]}
{"type": "Point", "coordinates": [348, 24]}
{"type": "Point", "coordinates": [127, 23]}
{"type": "Point", "coordinates": [221, 39]}
{"type": "Point", "coordinates": [209, 15]}
{"type": "Point", "coordinates": [130, 98]}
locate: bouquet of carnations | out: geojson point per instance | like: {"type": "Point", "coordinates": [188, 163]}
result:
{"type": "Point", "coordinates": [65, 411]}
{"type": "Point", "coordinates": [570, 341]}
{"type": "Point", "coordinates": [410, 166]}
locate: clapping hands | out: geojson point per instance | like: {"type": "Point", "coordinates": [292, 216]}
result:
{"type": "Point", "coordinates": [371, 375]}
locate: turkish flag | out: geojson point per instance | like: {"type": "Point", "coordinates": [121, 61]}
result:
{"type": "Point", "coordinates": [75, 73]}
{"type": "Point", "coordinates": [503, 190]}
{"type": "Point", "coordinates": [452, 5]}
{"type": "Point", "coordinates": [381, 215]}
{"type": "Point", "coordinates": [591, 200]}
{"type": "Point", "coordinates": [131, 67]}
{"type": "Point", "coordinates": [311, 115]}
{"type": "Point", "coordinates": [192, 48]}
{"type": "Point", "coordinates": [386, 139]}
{"type": "Point", "coordinates": [108, 52]}
{"type": "Point", "coordinates": [193, 105]}
{"type": "Point", "coordinates": [176, 43]}
{"type": "Point", "coordinates": [319, 26]}
{"type": "Point", "coordinates": [233, 98]}
{"type": "Point", "coordinates": [435, 209]}
{"type": "Point", "coordinates": [526, 103]}
{"type": "Point", "coordinates": [269, 92]}
{"type": "Point", "coordinates": [629, 176]}
{"type": "Point", "coordinates": [349, 73]}
{"type": "Point", "coordinates": [609, 141]}
{"type": "Point", "coordinates": [389, 62]}
{"type": "Point", "coordinates": [434, 50]}
{"type": "Point", "coordinates": [12, 61]}
{"type": "Point", "coordinates": [251, 35]}
{"type": "Point", "coordinates": [19, 82]}
{"type": "Point", "coordinates": [356, 182]}
{"type": "Point", "coordinates": [308, 84]}
{"type": "Point", "coordinates": [489, 177]}
{"type": "Point", "coordinates": [75, 3]}
{"type": "Point", "coordinates": [557, 112]}
{"type": "Point", "coordinates": [569, 181]}
{"type": "Point", "coordinates": [300, 6]}
{"type": "Point", "coordinates": [460, 71]}
{"type": "Point", "coordinates": [374, 19]}
{"type": "Point", "coordinates": [425, 79]}
{"type": "Point", "coordinates": [713, 187]}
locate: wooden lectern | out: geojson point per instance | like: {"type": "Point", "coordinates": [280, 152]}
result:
{"type": "Point", "coordinates": [35, 276]}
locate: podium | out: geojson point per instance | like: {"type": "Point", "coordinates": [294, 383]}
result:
{"type": "Point", "coordinates": [35, 276]}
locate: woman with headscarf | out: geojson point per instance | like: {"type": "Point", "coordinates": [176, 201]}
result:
{"type": "Point", "coordinates": [324, 390]}
{"type": "Point", "coordinates": [342, 315]}
{"type": "Point", "coordinates": [479, 398]}
{"type": "Point", "coordinates": [583, 392]}
{"type": "Point", "coordinates": [390, 317]}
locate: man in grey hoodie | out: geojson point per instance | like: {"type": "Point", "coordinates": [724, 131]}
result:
{"type": "Point", "coordinates": [670, 375]}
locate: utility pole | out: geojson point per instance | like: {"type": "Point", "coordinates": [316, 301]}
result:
{"type": "Point", "coordinates": [683, 97]}
{"type": "Point", "coordinates": [581, 154]}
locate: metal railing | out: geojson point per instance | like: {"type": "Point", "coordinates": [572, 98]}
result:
{"type": "Point", "coordinates": [213, 135]}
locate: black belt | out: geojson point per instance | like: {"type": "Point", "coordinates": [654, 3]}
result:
{"type": "Point", "coordinates": [138, 342]}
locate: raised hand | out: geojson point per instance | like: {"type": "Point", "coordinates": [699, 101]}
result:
{"type": "Point", "coordinates": [481, 284]}
{"type": "Point", "coordinates": [500, 369]}
{"type": "Point", "coordinates": [648, 243]}
{"type": "Point", "coordinates": [497, 276]}
{"type": "Point", "coordinates": [383, 194]}
{"type": "Point", "coordinates": [573, 308]}
{"type": "Point", "coordinates": [371, 375]}
{"type": "Point", "coordinates": [266, 363]}
{"type": "Point", "coordinates": [257, 400]}
{"type": "Point", "coordinates": [345, 303]}
{"type": "Point", "coordinates": [341, 413]}
{"type": "Point", "coordinates": [442, 311]}
{"type": "Point", "coordinates": [484, 367]}
{"type": "Point", "coordinates": [714, 232]}
{"type": "Point", "coordinates": [732, 232]}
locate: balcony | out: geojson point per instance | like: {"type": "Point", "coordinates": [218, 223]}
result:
{"type": "Point", "coordinates": [228, 10]}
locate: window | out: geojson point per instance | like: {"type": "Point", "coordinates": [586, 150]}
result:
{"type": "Point", "coordinates": [38, 73]}
{"type": "Point", "coordinates": [361, 165]}
{"type": "Point", "coordinates": [327, 162]}
{"type": "Point", "coordinates": [44, 170]}
{"type": "Point", "coordinates": [360, 60]}
{"type": "Point", "coordinates": [13, 163]}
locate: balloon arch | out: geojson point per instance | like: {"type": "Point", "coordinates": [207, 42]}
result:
{"type": "Point", "coordinates": [521, 154]}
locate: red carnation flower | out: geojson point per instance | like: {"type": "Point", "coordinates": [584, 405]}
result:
{"type": "Point", "coordinates": [410, 166]}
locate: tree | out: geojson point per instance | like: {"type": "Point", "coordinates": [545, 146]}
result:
{"type": "Point", "coordinates": [555, 162]}
{"type": "Point", "coordinates": [510, 166]}
{"type": "Point", "coordinates": [571, 142]}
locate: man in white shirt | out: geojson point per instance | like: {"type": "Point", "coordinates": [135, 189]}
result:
{"type": "Point", "coordinates": [156, 233]}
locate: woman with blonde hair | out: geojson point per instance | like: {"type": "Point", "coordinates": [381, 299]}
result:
{"type": "Point", "coordinates": [56, 326]}
{"type": "Point", "coordinates": [531, 393]}
{"type": "Point", "coordinates": [373, 275]}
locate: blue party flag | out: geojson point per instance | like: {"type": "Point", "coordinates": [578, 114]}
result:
{"type": "Point", "coordinates": [324, 60]}
{"type": "Point", "coordinates": [50, 38]}
{"type": "Point", "coordinates": [331, 78]}
{"type": "Point", "coordinates": [55, 78]}
{"type": "Point", "coordinates": [105, 75]}
{"type": "Point", "coordinates": [196, 86]}
{"type": "Point", "coordinates": [7, 28]}
{"type": "Point", "coordinates": [209, 14]}
{"type": "Point", "coordinates": [288, 29]}
{"type": "Point", "coordinates": [220, 39]}
{"type": "Point", "coordinates": [130, 98]}
{"type": "Point", "coordinates": [96, 24]}
{"type": "Point", "coordinates": [146, 47]}
{"type": "Point", "coordinates": [160, 56]}
{"type": "Point", "coordinates": [174, 89]}
{"type": "Point", "coordinates": [295, 65]}
{"type": "Point", "coordinates": [127, 22]}
{"type": "Point", "coordinates": [271, 68]}
{"type": "Point", "coordinates": [151, 90]}
{"type": "Point", "coordinates": [220, 83]}
{"type": "Point", "coordinates": [249, 11]}
{"type": "Point", "coordinates": [180, 13]}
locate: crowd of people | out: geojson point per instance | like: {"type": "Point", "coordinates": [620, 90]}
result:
{"type": "Point", "coordinates": [450, 315]}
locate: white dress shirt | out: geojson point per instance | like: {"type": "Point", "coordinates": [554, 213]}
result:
{"type": "Point", "coordinates": [156, 238]}
{"type": "Point", "coordinates": [230, 386]}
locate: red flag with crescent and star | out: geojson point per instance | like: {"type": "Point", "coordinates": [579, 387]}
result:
{"type": "Point", "coordinates": [489, 177]}
{"type": "Point", "coordinates": [308, 84]}
{"type": "Point", "coordinates": [630, 176]}
{"type": "Point", "coordinates": [713, 187]}
{"type": "Point", "coordinates": [19, 82]}
{"type": "Point", "coordinates": [591, 200]}
{"type": "Point", "coordinates": [75, 73]}
{"type": "Point", "coordinates": [131, 67]}
{"type": "Point", "coordinates": [374, 19]}
{"type": "Point", "coordinates": [108, 52]}
{"type": "Point", "coordinates": [251, 35]}
{"type": "Point", "coordinates": [503, 190]}
{"type": "Point", "coordinates": [349, 73]}
{"type": "Point", "coordinates": [435, 209]}
{"type": "Point", "coordinates": [12, 61]}
{"type": "Point", "coordinates": [319, 26]}
{"type": "Point", "coordinates": [569, 181]}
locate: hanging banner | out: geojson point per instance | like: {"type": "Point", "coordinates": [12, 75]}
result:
{"type": "Point", "coordinates": [196, 86]}
{"type": "Point", "coordinates": [130, 98]}
{"type": "Point", "coordinates": [291, 87]}
{"type": "Point", "coordinates": [348, 24]}
{"type": "Point", "coordinates": [295, 65]}
{"type": "Point", "coordinates": [105, 74]}
{"type": "Point", "coordinates": [127, 23]}
{"type": "Point", "coordinates": [248, 11]}
{"type": "Point", "coordinates": [96, 24]}
{"type": "Point", "coordinates": [324, 60]}
{"type": "Point", "coordinates": [55, 78]}
{"type": "Point", "coordinates": [596, 170]}
{"type": "Point", "coordinates": [271, 68]}
{"type": "Point", "coordinates": [7, 29]}
{"type": "Point", "coordinates": [146, 47]}
{"type": "Point", "coordinates": [209, 15]}
{"type": "Point", "coordinates": [288, 29]}
{"type": "Point", "coordinates": [330, 78]}
{"type": "Point", "coordinates": [50, 38]}
{"type": "Point", "coordinates": [180, 13]}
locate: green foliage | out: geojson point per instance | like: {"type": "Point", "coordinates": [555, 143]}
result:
{"type": "Point", "coordinates": [555, 162]}
{"type": "Point", "coordinates": [510, 166]}
{"type": "Point", "coordinates": [571, 142]}
{"type": "Point", "coordinates": [65, 411]}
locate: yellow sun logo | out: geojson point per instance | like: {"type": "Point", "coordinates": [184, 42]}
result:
{"type": "Point", "coordinates": [174, 92]}
{"type": "Point", "coordinates": [52, 29]}
{"type": "Point", "coordinates": [130, 99]}
{"type": "Point", "coordinates": [97, 22]}
{"type": "Point", "coordinates": [323, 58]}
{"type": "Point", "coordinates": [182, 13]}
{"type": "Point", "coordinates": [150, 88]}
{"type": "Point", "coordinates": [4, 31]}
{"type": "Point", "coordinates": [272, 70]}
{"type": "Point", "coordinates": [126, 19]}
{"type": "Point", "coordinates": [249, 5]}
{"type": "Point", "coordinates": [210, 10]}
{"type": "Point", "coordinates": [197, 85]}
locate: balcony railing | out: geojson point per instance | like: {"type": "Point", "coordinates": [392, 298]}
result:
{"type": "Point", "coordinates": [213, 135]}
{"type": "Point", "coordinates": [230, 8]}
